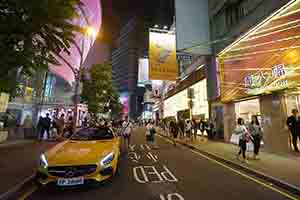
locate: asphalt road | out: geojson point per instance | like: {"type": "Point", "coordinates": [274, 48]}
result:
{"type": "Point", "coordinates": [166, 173]}
{"type": "Point", "coordinates": [18, 162]}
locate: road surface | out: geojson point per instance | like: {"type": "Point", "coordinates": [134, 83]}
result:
{"type": "Point", "coordinates": [166, 173]}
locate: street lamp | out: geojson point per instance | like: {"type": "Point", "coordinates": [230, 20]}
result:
{"type": "Point", "coordinates": [91, 33]}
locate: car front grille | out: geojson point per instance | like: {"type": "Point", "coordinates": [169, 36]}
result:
{"type": "Point", "coordinates": [71, 171]}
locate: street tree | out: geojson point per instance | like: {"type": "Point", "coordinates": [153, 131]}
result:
{"type": "Point", "coordinates": [98, 91]}
{"type": "Point", "coordinates": [32, 35]}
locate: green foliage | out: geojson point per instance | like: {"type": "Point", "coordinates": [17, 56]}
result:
{"type": "Point", "coordinates": [33, 33]}
{"type": "Point", "coordinates": [98, 90]}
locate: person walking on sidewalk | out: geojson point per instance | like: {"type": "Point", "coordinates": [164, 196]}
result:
{"type": "Point", "coordinates": [242, 131]}
{"type": "Point", "coordinates": [195, 128]}
{"type": "Point", "coordinates": [180, 126]}
{"type": "Point", "coordinates": [127, 129]}
{"type": "Point", "coordinates": [293, 122]}
{"type": "Point", "coordinates": [202, 126]}
{"type": "Point", "coordinates": [45, 124]}
{"type": "Point", "coordinates": [61, 125]}
{"type": "Point", "coordinates": [210, 129]}
{"type": "Point", "coordinates": [150, 134]}
{"type": "Point", "coordinates": [173, 131]}
{"type": "Point", "coordinates": [256, 132]}
{"type": "Point", "coordinates": [188, 129]}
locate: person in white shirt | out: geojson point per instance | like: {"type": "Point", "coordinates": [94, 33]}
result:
{"type": "Point", "coordinates": [188, 129]}
{"type": "Point", "coordinates": [244, 135]}
{"type": "Point", "coordinates": [127, 129]}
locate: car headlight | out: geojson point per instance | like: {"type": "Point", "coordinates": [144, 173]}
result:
{"type": "Point", "coordinates": [107, 159]}
{"type": "Point", "coordinates": [43, 161]}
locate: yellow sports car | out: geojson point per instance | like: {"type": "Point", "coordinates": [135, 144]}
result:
{"type": "Point", "coordinates": [90, 155]}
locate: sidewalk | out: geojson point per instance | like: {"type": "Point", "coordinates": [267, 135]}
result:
{"type": "Point", "coordinates": [18, 161]}
{"type": "Point", "coordinates": [283, 167]}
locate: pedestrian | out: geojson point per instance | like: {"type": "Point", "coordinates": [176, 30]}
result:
{"type": "Point", "coordinates": [45, 126]}
{"type": "Point", "coordinates": [293, 122]}
{"type": "Point", "coordinates": [150, 134]}
{"type": "Point", "coordinates": [242, 131]}
{"type": "Point", "coordinates": [195, 128]}
{"type": "Point", "coordinates": [180, 126]}
{"type": "Point", "coordinates": [54, 127]}
{"type": "Point", "coordinates": [173, 131]}
{"type": "Point", "coordinates": [69, 129]}
{"type": "Point", "coordinates": [28, 127]}
{"type": "Point", "coordinates": [61, 125]}
{"type": "Point", "coordinates": [256, 132]}
{"type": "Point", "coordinates": [188, 129]}
{"type": "Point", "coordinates": [209, 129]}
{"type": "Point", "coordinates": [127, 129]}
{"type": "Point", "coordinates": [202, 127]}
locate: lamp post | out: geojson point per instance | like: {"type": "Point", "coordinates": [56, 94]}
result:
{"type": "Point", "coordinates": [89, 32]}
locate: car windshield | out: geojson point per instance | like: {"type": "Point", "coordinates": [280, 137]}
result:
{"type": "Point", "coordinates": [93, 134]}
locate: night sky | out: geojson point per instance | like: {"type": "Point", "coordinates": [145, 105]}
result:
{"type": "Point", "coordinates": [118, 12]}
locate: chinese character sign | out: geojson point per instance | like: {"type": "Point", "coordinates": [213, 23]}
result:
{"type": "Point", "coordinates": [264, 60]}
{"type": "Point", "coordinates": [162, 56]}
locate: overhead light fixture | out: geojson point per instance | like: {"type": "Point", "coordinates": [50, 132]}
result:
{"type": "Point", "coordinates": [156, 26]}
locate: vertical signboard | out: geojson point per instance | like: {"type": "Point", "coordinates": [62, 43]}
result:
{"type": "Point", "coordinates": [162, 56]}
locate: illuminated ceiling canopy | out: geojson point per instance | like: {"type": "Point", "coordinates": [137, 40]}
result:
{"type": "Point", "coordinates": [265, 59]}
{"type": "Point", "coordinates": [90, 15]}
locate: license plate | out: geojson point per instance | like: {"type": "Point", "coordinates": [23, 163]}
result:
{"type": "Point", "coordinates": [70, 181]}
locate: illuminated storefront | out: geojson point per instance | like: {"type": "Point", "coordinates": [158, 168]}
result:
{"type": "Point", "coordinates": [260, 74]}
{"type": "Point", "coordinates": [180, 102]}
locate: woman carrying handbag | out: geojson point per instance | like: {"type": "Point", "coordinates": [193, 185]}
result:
{"type": "Point", "coordinates": [244, 137]}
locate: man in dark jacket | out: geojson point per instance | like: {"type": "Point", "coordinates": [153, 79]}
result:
{"type": "Point", "coordinates": [293, 122]}
{"type": "Point", "coordinates": [45, 125]}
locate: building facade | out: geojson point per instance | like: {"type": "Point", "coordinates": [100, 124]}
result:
{"type": "Point", "coordinates": [131, 45]}
{"type": "Point", "coordinates": [257, 58]}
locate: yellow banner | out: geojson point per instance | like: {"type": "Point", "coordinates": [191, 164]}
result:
{"type": "Point", "coordinates": [162, 57]}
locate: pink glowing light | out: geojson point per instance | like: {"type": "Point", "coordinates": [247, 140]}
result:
{"type": "Point", "coordinates": [90, 16]}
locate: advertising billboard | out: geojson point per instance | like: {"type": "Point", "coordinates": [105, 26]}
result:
{"type": "Point", "coordinates": [162, 56]}
{"type": "Point", "coordinates": [265, 59]}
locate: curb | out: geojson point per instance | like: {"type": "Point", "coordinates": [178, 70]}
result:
{"type": "Point", "coordinates": [279, 183]}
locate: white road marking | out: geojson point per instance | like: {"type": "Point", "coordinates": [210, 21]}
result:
{"type": "Point", "coordinates": [137, 178]}
{"type": "Point", "coordinates": [163, 176]}
{"type": "Point", "coordinates": [173, 196]}
{"type": "Point", "coordinates": [154, 172]}
{"type": "Point", "coordinates": [171, 177]}
{"type": "Point", "coordinates": [147, 147]}
{"type": "Point", "coordinates": [131, 147]}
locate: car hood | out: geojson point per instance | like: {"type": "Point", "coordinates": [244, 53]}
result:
{"type": "Point", "coordinates": [79, 152]}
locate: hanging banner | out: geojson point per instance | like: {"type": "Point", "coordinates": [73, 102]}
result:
{"type": "Point", "coordinates": [162, 56]}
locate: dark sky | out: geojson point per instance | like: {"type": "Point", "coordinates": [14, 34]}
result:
{"type": "Point", "coordinates": [160, 11]}
{"type": "Point", "coordinates": [117, 12]}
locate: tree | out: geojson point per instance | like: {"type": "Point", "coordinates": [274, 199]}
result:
{"type": "Point", "coordinates": [33, 33]}
{"type": "Point", "coordinates": [98, 90]}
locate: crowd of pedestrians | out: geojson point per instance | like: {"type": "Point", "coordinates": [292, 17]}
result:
{"type": "Point", "coordinates": [188, 129]}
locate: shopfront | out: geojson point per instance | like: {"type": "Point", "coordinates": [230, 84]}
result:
{"type": "Point", "coordinates": [178, 104]}
{"type": "Point", "coordinates": [260, 75]}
